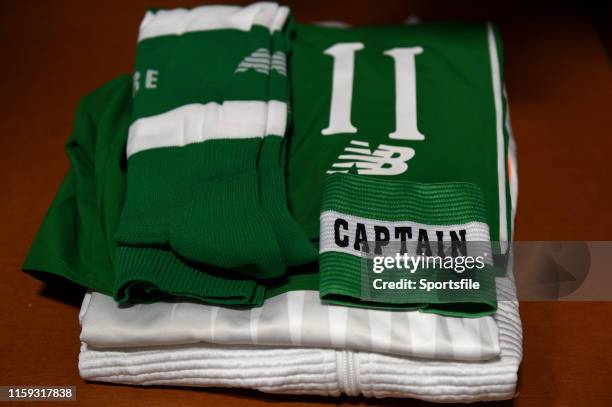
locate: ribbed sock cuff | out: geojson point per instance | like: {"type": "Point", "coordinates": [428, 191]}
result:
{"type": "Point", "coordinates": [362, 218]}
{"type": "Point", "coordinates": [147, 274]}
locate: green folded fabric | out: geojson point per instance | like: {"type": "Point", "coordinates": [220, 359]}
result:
{"type": "Point", "coordinates": [457, 114]}
{"type": "Point", "coordinates": [363, 218]}
{"type": "Point", "coordinates": [75, 240]}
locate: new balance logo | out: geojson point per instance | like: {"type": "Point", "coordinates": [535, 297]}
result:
{"type": "Point", "coordinates": [385, 160]}
{"type": "Point", "coordinates": [261, 61]}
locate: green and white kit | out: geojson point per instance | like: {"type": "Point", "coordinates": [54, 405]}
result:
{"type": "Point", "coordinates": [240, 181]}
{"type": "Point", "coordinates": [205, 215]}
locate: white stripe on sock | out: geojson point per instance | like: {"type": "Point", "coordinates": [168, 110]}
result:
{"type": "Point", "coordinates": [195, 123]}
{"type": "Point", "coordinates": [179, 21]}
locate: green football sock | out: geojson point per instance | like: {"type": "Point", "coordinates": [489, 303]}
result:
{"type": "Point", "coordinates": [196, 137]}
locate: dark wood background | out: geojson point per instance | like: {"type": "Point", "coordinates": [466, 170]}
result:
{"type": "Point", "coordinates": [559, 82]}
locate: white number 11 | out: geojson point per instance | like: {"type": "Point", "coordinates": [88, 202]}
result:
{"type": "Point", "coordinates": [405, 90]}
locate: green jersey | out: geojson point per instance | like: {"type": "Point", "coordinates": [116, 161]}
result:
{"type": "Point", "coordinates": [409, 103]}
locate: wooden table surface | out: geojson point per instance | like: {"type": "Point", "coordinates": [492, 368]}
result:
{"type": "Point", "coordinates": [560, 89]}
